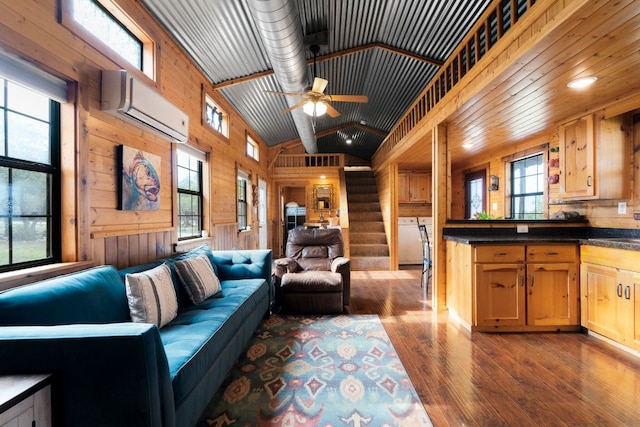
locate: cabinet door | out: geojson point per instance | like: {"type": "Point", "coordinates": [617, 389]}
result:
{"type": "Point", "coordinates": [500, 294]}
{"type": "Point", "coordinates": [552, 294]}
{"type": "Point", "coordinates": [577, 159]}
{"type": "Point", "coordinates": [629, 310]}
{"type": "Point", "coordinates": [420, 186]}
{"type": "Point", "coordinates": [601, 299]}
{"type": "Point", "coordinates": [403, 187]}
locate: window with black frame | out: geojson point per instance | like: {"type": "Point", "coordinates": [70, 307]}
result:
{"type": "Point", "coordinates": [29, 177]}
{"type": "Point", "coordinates": [242, 203]}
{"type": "Point", "coordinates": [190, 195]}
{"type": "Point", "coordinates": [527, 188]}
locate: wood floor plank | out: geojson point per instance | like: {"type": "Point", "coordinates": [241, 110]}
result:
{"type": "Point", "coordinates": [499, 379]}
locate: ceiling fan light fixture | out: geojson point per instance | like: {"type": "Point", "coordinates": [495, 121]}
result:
{"type": "Point", "coordinates": [582, 82]}
{"type": "Point", "coordinates": [312, 108]}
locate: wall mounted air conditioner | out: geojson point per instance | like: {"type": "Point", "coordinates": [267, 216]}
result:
{"type": "Point", "coordinates": [127, 98]}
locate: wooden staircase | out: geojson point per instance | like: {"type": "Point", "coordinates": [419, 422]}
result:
{"type": "Point", "coordinates": [368, 241]}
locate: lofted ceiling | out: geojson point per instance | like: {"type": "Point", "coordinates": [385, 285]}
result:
{"type": "Point", "coordinates": [385, 49]}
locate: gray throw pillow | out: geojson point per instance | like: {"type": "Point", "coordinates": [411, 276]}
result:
{"type": "Point", "coordinates": [198, 278]}
{"type": "Point", "coordinates": [151, 296]}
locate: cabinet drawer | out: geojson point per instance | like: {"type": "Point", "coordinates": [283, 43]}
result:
{"type": "Point", "coordinates": [552, 253]}
{"type": "Point", "coordinates": [499, 253]}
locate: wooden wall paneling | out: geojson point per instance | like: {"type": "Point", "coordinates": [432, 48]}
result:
{"type": "Point", "coordinates": [111, 250]}
{"type": "Point", "coordinates": [123, 251]}
{"type": "Point", "coordinates": [441, 211]}
{"type": "Point", "coordinates": [134, 249]}
{"type": "Point", "coordinates": [226, 236]}
{"type": "Point", "coordinates": [99, 250]}
{"type": "Point", "coordinates": [387, 196]}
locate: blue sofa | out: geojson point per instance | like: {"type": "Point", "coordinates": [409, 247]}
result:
{"type": "Point", "coordinates": [109, 371]}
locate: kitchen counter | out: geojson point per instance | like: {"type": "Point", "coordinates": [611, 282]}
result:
{"type": "Point", "coordinates": [606, 237]}
{"type": "Point", "coordinates": [488, 236]}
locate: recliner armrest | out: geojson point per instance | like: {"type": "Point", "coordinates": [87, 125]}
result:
{"type": "Point", "coordinates": [342, 265]}
{"type": "Point", "coordinates": [285, 265]}
{"type": "Point", "coordinates": [339, 263]}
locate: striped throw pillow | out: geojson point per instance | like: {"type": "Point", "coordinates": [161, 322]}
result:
{"type": "Point", "coordinates": [198, 278]}
{"type": "Point", "coordinates": [151, 296]}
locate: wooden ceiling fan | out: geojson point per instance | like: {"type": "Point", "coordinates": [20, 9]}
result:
{"type": "Point", "coordinates": [315, 102]}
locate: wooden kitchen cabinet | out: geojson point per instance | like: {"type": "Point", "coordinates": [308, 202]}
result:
{"type": "Point", "coordinates": [500, 294]}
{"type": "Point", "coordinates": [525, 287]}
{"type": "Point", "coordinates": [592, 158]}
{"type": "Point", "coordinates": [414, 187]}
{"type": "Point", "coordinates": [610, 293]}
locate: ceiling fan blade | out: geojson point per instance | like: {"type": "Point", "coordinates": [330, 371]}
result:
{"type": "Point", "coordinates": [348, 98]}
{"type": "Point", "coordinates": [285, 93]}
{"type": "Point", "coordinates": [298, 105]}
{"type": "Point", "coordinates": [332, 111]}
{"type": "Point", "coordinates": [319, 85]}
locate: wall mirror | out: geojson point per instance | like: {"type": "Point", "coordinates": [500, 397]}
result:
{"type": "Point", "coordinates": [322, 197]}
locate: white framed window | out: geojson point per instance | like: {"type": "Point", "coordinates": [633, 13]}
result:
{"type": "Point", "coordinates": [253, 149]}
{"type": "Point", "coordinates": [108, 28]}
{"type": "Point", "coordinates": [527, 187]}
{"type": "Point", "coordinates": [215, 117]}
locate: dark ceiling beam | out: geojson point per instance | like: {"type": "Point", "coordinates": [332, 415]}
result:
{"type": "Point", "coordinates": [239, 80]}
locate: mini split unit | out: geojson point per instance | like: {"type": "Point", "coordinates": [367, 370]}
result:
{"type": "Point", "coordinates": [127, 98]}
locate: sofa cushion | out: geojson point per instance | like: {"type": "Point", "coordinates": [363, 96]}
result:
{"type": "Point", "coordinates": [151, 296]}
{"type": "Point", "coordinates": [95, 295]}
{"type": "Point", "coordinates": [198, 277]}
{"type": "Point", "coordinates": [201, 333]}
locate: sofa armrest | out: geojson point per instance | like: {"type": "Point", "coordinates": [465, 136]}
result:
{"type": "Point", "coordinates": [342, 265]}
{"type": "Point", "coordinates": [104, 374]}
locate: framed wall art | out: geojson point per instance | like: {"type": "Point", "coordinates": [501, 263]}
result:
{"type": "Point", "coordinates": [139, 181]}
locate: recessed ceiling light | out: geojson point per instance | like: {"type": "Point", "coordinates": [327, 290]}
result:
{"type": "Point", "coordinates": [468, 145]}
{"type": "Point", "coordinates": [349, 141]}
{"type": "Point", "coordinates": [582, 82]}
{"type": "Point", "coordinates": [323, 176]}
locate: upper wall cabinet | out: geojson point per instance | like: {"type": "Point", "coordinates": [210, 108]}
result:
{"type": "Point", "coordinates": [592, 159]}
{"type": "Point", "coordinates": [414, 187]}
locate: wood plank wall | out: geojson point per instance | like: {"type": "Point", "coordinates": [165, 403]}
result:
{"type": "Point", "coordinates": [99, 231]}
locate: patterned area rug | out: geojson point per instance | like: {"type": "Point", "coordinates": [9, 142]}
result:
{"type": "Point", "coordinates": [317, 371]}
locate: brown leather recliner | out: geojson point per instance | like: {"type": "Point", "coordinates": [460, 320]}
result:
{"type": "Point", "coordinates": [315, 277]}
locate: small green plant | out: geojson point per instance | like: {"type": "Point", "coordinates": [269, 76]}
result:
{"type": "Point", "coordinates": [484, 215]}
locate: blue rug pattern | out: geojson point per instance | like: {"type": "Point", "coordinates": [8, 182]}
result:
{"type": "Point", "coordinates": [317, 371]}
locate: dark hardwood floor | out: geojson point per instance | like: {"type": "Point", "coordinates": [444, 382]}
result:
{"type": "Point", "coordinates": [506, 379]}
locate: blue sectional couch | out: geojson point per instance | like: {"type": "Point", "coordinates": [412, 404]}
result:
{"type": "Point", "coordinates": [109, 371]}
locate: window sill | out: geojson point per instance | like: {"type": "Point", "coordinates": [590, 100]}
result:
{"type": "Point", "coordinates": [12, 279]}
{"type": "Point", "coordinates": [187, 245]}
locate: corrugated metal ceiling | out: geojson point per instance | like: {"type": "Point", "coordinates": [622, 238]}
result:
{"type": "Point", "coordinates": [223, 40]}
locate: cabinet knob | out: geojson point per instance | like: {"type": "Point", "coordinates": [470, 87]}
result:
{"type": "Point", "coordinates": [619, 290]}
{"type": "Point", "coordinates": [589, 181]}
{"type": "Point", "coordinates": [627, 292]}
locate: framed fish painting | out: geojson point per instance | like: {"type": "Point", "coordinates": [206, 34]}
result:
{"type": "Point", "coordinates": [139, 182]}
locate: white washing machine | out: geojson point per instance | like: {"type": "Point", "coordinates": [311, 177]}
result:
{"type": "Point", "coordinates": [409, 241]}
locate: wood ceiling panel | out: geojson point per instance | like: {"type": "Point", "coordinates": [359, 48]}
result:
{"type": "Point", "coordinates": [531, 96]}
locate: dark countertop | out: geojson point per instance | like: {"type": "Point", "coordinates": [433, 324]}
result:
{"type": "Point", "coordinates": [618, 238]}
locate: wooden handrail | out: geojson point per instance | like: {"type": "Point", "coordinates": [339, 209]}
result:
{"type": "Point", "coordinates": [497, 20]}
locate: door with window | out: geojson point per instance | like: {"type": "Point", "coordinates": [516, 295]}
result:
{"type": "Point", "coordinates": [475, 195]}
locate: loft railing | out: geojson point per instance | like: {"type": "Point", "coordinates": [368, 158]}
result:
{"type": "Point", "coordinates": [309, 161]}
{"type": "Point", "coordinates": [501, 16]}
